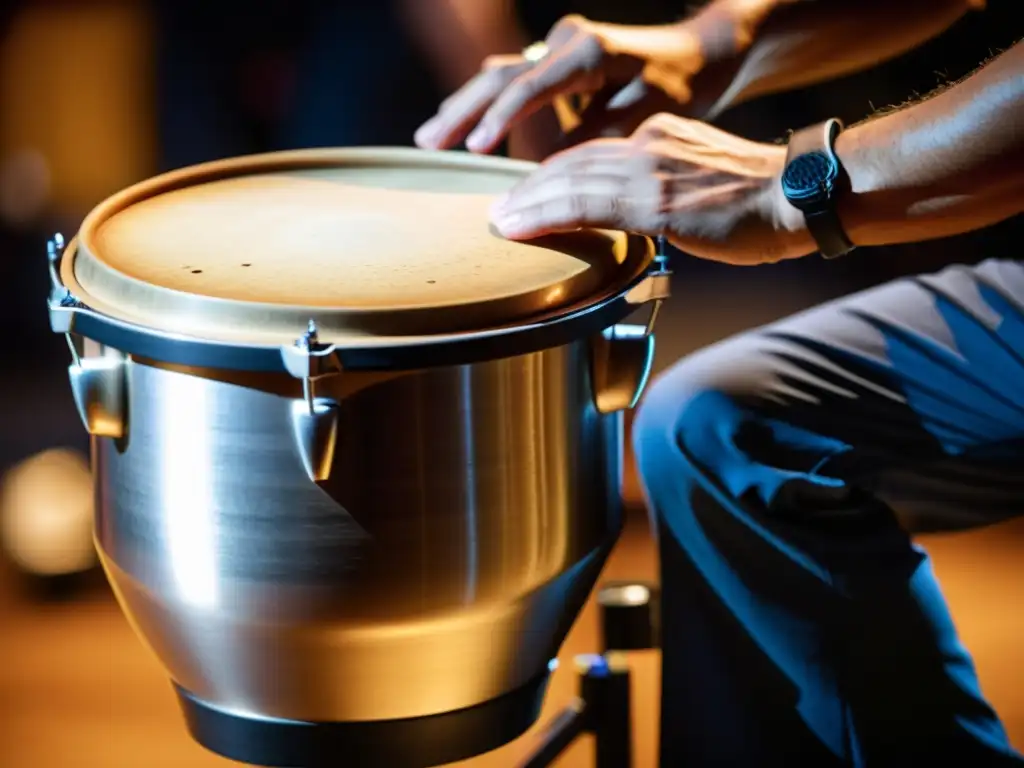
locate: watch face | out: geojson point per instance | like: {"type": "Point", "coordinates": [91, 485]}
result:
{"type": "Point", "coordinates": [808, 178]}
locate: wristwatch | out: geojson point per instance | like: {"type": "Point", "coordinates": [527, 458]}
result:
{"type": "Point", "coordinates": [812, 181]}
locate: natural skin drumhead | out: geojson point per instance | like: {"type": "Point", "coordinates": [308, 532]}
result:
{"type": "Point", "coordinates": [368, 242]}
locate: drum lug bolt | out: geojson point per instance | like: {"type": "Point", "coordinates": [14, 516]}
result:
{"type": "Point", "coordinates": [621, 357]}
{"type": "Point", "coordinates": [55, 247]}
{"type": "Point", "coordinates": [655, 288]}
{"type": "Point", "coordinates": [314, 419]}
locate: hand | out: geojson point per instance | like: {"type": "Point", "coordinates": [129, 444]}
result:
{"type": "Point", "coordinates": [712, 194]}
{"type": "Point", "coordinates": [625, 73]}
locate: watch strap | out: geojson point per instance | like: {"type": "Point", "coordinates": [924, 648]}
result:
{"type": "Point", "coordinates": [827, 231]}
{"type": "Point", "coordinates": [824, 224]}
{"type": "Point", "coordinates": [814, 138]}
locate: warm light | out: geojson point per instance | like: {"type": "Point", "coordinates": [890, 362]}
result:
{"type": "Point", "coordinates": [186, 484]}
{"type": "Point", "coordinates": [24, 186]}
{"type": "Point", "coordinates": [46, 509]}
{"type": "Point", "coordinates": [626, 595]}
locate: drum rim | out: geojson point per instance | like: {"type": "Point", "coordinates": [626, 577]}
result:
{"type": "Point", "coordinates": [217, 318]}
{"type": "Point", "coordinates": [71, 313]}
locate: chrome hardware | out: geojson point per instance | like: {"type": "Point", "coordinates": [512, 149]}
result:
{"type": "Point", "coordinates": [55, 248]}
{"type": "Point", "coordinates": [99, 384]}
{"type": "Point", "coordinates": [621, 357]}
{"type": "Point", "coordinates": [308, 358]}
{"type": "Point", "coordinates": [314, 419]}
{"type": "Point", "coordinates": [655, 288]}
{"type": "Point", "coordinates": [315, 430]}
{"type": "Point", "coordinates": [100, 389]}
{"type": "Point", "coordinates": [620, 365]}
{"type": "Point", "coordinates": [61, 300]}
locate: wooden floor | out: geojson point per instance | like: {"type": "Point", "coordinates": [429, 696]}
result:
{"type": "Point", "coordinates": [77, 690]}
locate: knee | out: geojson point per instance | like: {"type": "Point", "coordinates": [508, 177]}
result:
{"type": "Point", "coordinates": [693, 408]}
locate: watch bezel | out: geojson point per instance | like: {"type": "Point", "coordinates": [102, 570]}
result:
{"type": "Point", "coordinates": [811, 197]}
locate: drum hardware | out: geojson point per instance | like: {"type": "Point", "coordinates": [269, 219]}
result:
{"type": "Point", "coordinates": [314, 419]}
{"type": "Point", "coordinates": [98, 383]}
{"type": "Point", "coordinates": [603, 707]}
{"type": "Point", "coordinates": [622, 355]}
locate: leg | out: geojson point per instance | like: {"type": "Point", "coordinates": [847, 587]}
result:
{"type": "Point", "coordinates": [786, 469]}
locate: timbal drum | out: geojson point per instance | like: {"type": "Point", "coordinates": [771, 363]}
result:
{"type": "Point", "coordinates": [356, 456]}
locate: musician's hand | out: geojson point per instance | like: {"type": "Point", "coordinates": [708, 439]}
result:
{"type": "Point", "coordinates": [712, 194]}
{"type": "Point", "coordinates": [624, 73]}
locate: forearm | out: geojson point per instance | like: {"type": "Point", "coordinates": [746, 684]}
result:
{"type": "Point", "coordinates": [947, 165]}
{"type": "Point", "coordinates": [796, 43]}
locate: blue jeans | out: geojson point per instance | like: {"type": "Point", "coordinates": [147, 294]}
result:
{"type": "Point", "coordinates": [787, 469]}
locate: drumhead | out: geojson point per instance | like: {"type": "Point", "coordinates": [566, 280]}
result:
{"type": "Point", "coordinates": [367, 242]}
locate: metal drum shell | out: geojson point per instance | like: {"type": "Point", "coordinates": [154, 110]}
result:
{"type": "Point", "coordinates": [322, 527]}
{"type": "Point", "coordinates": [466, 514]}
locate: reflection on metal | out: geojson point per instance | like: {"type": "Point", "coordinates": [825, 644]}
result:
{"type": "Point", "coordinates": [315, 429]}
{"type": "Point", "coordinates": [308, 358]}
{"type": "Point", "coordinates": [99, 387]}
{"type": "Point", "coordinates": [622, 356]}
{"type": "Point", "coordinates": [620, 365]}
{"type": "Point", "coordinates": [314, 419]}
{"type": "Point", "coordinates": [466, 515]}
{"type": "Point", "coordinates": [655, 288]}
{"type": "Point", "coordinates": [98, 383]}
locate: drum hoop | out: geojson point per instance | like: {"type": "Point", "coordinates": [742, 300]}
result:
{"type": "Point", "coordinates": [71, 313]}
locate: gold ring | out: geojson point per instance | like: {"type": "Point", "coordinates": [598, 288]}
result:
{"type": "Point", "coordinates": [535, 52]}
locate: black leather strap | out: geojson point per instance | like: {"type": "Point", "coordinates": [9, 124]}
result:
{"type": "Point", "coordinates": [824, 225]}
{"type": "Point", "coordinates": [827, 231]}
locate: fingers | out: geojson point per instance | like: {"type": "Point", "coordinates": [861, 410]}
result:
{"type": "Point", "coordinates": [593, 185]}
{"type": "Point", "coordinates": [573, 68]}
{"type": "Point", "coordinates": [599, 154]}
{"type": "Point", "coordinates": [598, 208]}
{"type": "Point", "coordinates": [461, 111]}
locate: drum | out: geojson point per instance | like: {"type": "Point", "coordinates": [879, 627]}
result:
{"type": "Point", "coordinates": [356, 456]}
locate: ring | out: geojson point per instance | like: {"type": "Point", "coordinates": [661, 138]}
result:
{"type": "Point", "coordinates": [535, 52]}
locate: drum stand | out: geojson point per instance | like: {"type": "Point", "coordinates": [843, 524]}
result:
{"type": "Point", "coordinates": [629, 614]}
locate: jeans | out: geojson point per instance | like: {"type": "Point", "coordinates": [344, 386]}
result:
{"type": "Point", "coordinates": [787, 470]}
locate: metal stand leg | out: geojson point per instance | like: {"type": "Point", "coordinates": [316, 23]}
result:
{"type": "Point", "coordinates": [605, 688]}
{"type": "Point", "coordinates": [603, 706]}
{"type": "Point", "coordinates": [562, 732]}
{"type": "Point", "coordinates": [602, 709]}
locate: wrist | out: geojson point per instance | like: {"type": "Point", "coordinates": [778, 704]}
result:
{"type": "Point", "coordinates": [745, 17]}
{"type": "Point", "coordinates": [865, 168]}
{"type": "Point", "coordinates": [815, 182]}
{"type": "Point", "coordinates": [723, 28]}
{"type": "Point", "coordinates": [787, 221]}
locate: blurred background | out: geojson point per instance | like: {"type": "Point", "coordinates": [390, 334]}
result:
{"type": "Point", "coordinates": [97, 95]}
